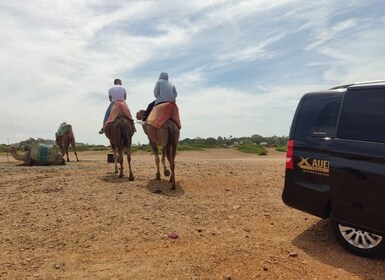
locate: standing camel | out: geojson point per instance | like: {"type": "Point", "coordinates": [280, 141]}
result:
{"type": "Point", "coordinates": [64, 137]}
{"type": "Point", "coordinates": [119, 129]}
{"type": "Point", "coordinates": [166, 136]}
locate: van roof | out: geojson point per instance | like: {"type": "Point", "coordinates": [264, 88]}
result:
{"type": "Point", "coordinates": [379, 83]}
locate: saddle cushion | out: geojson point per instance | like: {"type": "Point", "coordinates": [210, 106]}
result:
{"type": "Point", "coordinates": [44, 154]}
{"type": "Point", "coordinates": [162, 113]}
{"type": "Point", "coordinates": [117, 108]}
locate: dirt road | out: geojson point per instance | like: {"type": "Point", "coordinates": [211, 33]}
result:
{"type": "Point", "coordinates": [79, 221]}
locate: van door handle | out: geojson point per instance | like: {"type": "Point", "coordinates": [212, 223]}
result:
{"type": "Point", "coordinates": [355, 172]}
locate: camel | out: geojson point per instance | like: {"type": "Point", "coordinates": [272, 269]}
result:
{"type": "Point", "coordinates": [120, 132]}
{"type": "Point", "coordinates": [64, 137]}
{"type": "Point", "coordinates": [39, 154]}
{"type": "Point", "coordinates": [167, 136]}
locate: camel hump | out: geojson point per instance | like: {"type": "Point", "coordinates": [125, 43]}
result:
{"type": "Point", "coordinates": [44, 154]}
{"type": "Point", "coordinates": [63, 128]}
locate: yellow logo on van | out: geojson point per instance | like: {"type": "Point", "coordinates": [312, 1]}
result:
{"type": "Point", "coordinates": [314, 166]}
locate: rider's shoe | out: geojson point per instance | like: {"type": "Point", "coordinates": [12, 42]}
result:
{"type": "Point", "coordinates": [101, 131]}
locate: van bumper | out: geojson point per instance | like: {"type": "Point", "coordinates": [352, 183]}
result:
{"type": "Point", "coordinates": [307, 197]}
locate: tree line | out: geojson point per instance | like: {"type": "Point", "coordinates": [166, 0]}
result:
{"type": "Point", "coordinates": [272, 141]}
{"type": "Point", "coordinates": [185, 144]}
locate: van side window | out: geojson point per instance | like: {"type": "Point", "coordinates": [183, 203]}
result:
{"type": "Point", "coordinates": [326, 121]}
{"type": "Point", "coordinates": [319, 114]}
{"type": "Point", "coordinates": [363, 115]}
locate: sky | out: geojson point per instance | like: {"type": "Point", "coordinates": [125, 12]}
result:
{"type": "Point", "coordinates": [239, 67]}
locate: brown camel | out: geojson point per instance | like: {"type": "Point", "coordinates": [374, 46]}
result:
{"type": "Point", "coordinates": [120, 132]}
{"type": "Point", "coordinates": [39, 154]}
{"type": "Point", "coordinates": [64, 137]}
{"type": "Point", "coordinates": [167, 136]}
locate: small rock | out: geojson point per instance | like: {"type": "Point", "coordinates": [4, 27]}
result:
{"type": "Point", "coordinates": [265, 268]}
{"type": "Point", "coordinates": [293, 254]}
{"type": "Point", "coordinates": [173, 235]}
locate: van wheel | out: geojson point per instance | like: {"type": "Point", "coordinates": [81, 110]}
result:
{"type": "Point", "coordinates": [358, 241]}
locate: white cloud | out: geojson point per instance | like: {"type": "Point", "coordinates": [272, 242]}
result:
{"type": "Point", "coordinates": [240, 67]}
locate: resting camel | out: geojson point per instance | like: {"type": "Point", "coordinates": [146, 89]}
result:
{"type": "Point", "coordinates": [64, 137]}
{"type": "Point", "coordinates": [120, 132]}
{"type": "Point", "coordinates": [39, 156]}
{"type": "Point", "coordinates": [167, 136]}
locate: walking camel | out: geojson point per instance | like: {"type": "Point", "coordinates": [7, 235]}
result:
{"type": "Point", "coordinates": [64, 137]}
{"type": "Point", "coordinates": [119, 129]}
{"type": "Point", "coordinates": [166, 136]}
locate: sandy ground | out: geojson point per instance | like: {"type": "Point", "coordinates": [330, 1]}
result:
{"type": "Point", "coordinates": [80, 221]}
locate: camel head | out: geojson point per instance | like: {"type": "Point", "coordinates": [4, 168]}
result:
{"type": "Point", "coordinates": [139, 115]}
{"type": "Point", "coordinates": [59, 161]}
{"type": "Point", "coordinates": [10, 149]}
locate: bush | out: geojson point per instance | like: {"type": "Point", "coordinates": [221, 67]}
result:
{"type": "Point", "coordinates": [281, 149]}
{"type": "Point", "coordinates": [252, 149]}
{"type": "Point", "coordinates": [2, 148]}
{"type": "Point", "coordinates": [90, 148]}
{"type": "Point", "coordinates": [191, 147]}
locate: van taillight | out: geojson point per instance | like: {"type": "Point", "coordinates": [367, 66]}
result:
{"type": "Point", "coordinates": [289, 154]}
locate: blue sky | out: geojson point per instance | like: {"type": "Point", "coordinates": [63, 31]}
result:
{"type": "Point", "coordinates": [240, 67]}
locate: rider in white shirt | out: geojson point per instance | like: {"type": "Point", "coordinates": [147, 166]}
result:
{"type": "Point", "coordinates": [116, 93]}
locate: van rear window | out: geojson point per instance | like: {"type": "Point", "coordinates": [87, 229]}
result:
{"type": "Point", "coordinates": [319, 114]}
{"type": "Point", "coordinates": [363, 115]}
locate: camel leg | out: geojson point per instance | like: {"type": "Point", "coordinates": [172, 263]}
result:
{"type": "Point", "coordinates": [120, 162]}
{"type": "Point", "coordinates": [73, 147]}
{"type": "Point", "coordinates": [166, 172]}
{"type": "Point", "coordinates": [157, 160]}
{"type": "Point", "coordinates": [170, 152]}
{"type": "Point", "coordinates": [116, 161]}
{"type": "Point", "coordinates": [68, 159]}
{"type": "Point", "coordinates": [131, 176]}
{"type": "Point", "coordinates": [65, 146]}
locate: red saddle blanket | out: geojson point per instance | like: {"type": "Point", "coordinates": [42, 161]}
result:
{"type": "Point", "coordinates": [119, 106]}
{"type": "Point", "coordinates": [162, 113]}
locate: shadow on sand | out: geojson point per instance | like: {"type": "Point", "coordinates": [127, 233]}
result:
{"type": "Point", "coordinates": [113, 178]}
{"type": "Point", "coordinates": [159, 187]}
{"type": "Point", "coordinates": [318, 242]}
{"type": "Point", "coordinates": [162, 187]}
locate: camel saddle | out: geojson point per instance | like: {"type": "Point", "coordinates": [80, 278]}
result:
{"type": "Point", "coordinates": [162, 113]}
{"type": "Point", "coordinates": [43, 154]}
{"type": "Point", "coordinates": [119, 107]}
{"type": "Point", "coordinates": [63, 129]}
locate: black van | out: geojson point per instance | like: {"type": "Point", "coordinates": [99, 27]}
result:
{"type": "Point", "coordinates": [335, 163]}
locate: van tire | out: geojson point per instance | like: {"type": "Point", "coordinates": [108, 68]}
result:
{"type": "Point", "coordinates": [358, 241]}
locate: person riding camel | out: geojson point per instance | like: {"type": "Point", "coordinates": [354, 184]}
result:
{"type": "Point", "coordinates": [164, 91]}
{"type": "Point", "coordinates": [116, 93]}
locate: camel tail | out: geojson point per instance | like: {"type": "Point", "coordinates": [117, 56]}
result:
{"type": "Point", "coordinates": [124, 136]}
{"type": "Point", "coordinates": [173, 136]}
